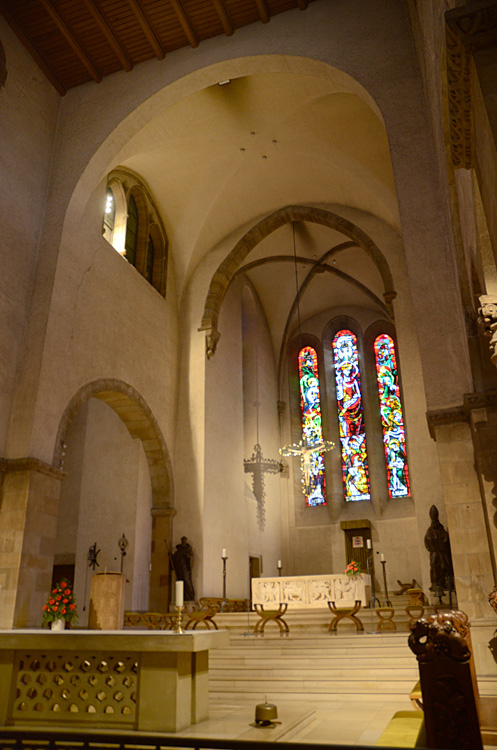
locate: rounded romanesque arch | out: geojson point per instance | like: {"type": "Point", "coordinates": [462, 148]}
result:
{"type": "Point", "coordinates": [132, 409]}
{"type": "Point", "coordinates": [228, 268]}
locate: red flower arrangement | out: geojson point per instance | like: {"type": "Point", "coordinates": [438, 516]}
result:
{"type": "Point", "coordinates": [60, 605]}
{"type": "Point", "coordinates": [353, 568]}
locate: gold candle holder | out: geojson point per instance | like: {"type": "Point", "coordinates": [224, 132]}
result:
{"type": "Point", "coordinates": [178, 619]}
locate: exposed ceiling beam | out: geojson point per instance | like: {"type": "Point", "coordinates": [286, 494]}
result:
{"type": "Point", "coordinates": [33, 51]}
{"type": "Point", "coordinates": [263, 10]}
{"type": "Point", "coordinates": [69, 36]}
{"type": "Point", "coordinates": [109, 35]}
{"type": "Point", "coordinates": [223, 16]}
{"type": "Point", "coordinates": [147, 29]}
{"type": "Point", "coordinates": [185, 23]}
{"type": "Point", "coordinates": [302, 4]}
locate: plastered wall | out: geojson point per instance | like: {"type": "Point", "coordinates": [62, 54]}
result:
{"type": "Point", "coordinates": [29, 109]}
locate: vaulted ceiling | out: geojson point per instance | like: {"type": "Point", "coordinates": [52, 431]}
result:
{"type": "Point", "coordinates": [76, 41]}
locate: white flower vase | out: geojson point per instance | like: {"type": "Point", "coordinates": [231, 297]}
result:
{"type": "Point", "coordinates": [59, 624]}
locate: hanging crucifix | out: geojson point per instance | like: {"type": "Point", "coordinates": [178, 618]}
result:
{"type": "Point", "coordinates": [306, 451]}
{"type": "Point", "coordinates": [257, 465]}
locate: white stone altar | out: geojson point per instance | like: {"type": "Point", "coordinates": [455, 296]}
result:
{"type": "Point", "coordinates": [311, 591]}
{"type": "Point", "coordinates": [153, 681]}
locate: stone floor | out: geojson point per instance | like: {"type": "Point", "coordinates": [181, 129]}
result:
{"type": "Point", "coordinates": [355, 723]}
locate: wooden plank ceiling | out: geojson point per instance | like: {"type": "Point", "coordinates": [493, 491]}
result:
{"type": "Point", "coordinates": [76, 41]}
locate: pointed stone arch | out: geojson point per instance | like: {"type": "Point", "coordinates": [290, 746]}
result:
{"type": "Point", "coordinates": [132, 409]}
{"type": "Point", "coordinates": [228, 267]}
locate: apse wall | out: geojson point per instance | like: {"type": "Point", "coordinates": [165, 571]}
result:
{"type": "Point", "coordinates": [231, 518]}
{"type": "Point", "coordinates": [313, 536]}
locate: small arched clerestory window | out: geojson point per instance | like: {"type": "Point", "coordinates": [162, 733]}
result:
{"type": "Point", "coordinates": [109, 215]}
{"type": "Point", "coordinates": [132, 225]}
{"type": "Point", "coordinates": [149, 263]}
{"type": "Point", "coordinates": [131, 232]}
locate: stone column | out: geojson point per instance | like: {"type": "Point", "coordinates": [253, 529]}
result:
{"type": "Point", "coordinates": [160, 575]}
{"type": "Point", "coordinates": [465, 509]}
{"type": "Point", "coordinates": [28, 524]}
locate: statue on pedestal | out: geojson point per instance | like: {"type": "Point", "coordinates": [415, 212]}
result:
{"type": "Point", "coordinates": [438, 545]}
{"type": "Point", "coordinates": [182, 562]}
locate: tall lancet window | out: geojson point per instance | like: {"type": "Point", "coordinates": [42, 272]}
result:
{"type": "Point", "coordinates": [350, 417]}
{"type": "Point", "coordinates": [312, 431]}
{"type": "Point", "coordinates": [392, 421]}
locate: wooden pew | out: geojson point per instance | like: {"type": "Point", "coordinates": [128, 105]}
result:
{"type": "Point", "coordinates": [449, 690]}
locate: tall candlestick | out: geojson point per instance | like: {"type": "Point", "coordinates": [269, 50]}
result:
{"type": "Point", "coordinates": [388, 603]}
{"type": "Point", "coordinates": [179, 594]}
{"type": "Point", "coordinates": [224, 603]}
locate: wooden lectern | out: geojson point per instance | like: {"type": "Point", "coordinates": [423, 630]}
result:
{"type": "Point", "coordinates": [106, 602]}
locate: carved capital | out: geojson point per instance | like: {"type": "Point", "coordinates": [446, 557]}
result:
{"type": "Point", "coordinates": [482, 400]}
{"type": "Point", "coordinates": [212, 336]}
{"type": "Point", "coordinates": [30, 464]}
{"type": "Point", "coordinates": [487, 321]}
{"type": "Point", "coordinates": [389, 298]}
{"type": "Point", "coordinates": [163, 511]}
{"type": "Point", "coordinates": [492, 598]}
{"type": "Point", "coordinates": [444, 633]}
{"type": "Point", "coordinates": [436, 418]}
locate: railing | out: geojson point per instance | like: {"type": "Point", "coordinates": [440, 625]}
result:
{"type": "Point", "coordinates": [55, 739]}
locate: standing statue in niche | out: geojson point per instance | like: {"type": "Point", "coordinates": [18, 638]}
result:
{"type": "Point", "coordinates": [438, 545]}
{"type": "Point", "coordinates": [182, 562]}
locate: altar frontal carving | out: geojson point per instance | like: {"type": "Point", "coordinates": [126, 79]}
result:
{"type": "Point", "coordinates": [310, 591]}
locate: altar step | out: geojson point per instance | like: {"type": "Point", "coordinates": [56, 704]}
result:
{"type": "Point", "coordinates": [317, 620]}
{"type": "Point", "coordinates": [316, 669]}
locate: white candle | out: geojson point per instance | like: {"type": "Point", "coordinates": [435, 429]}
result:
{"type": "Point", "coordinates": [224, 553]}
{"type": "Point", "coordinates": [179, 593]}
{"type": "Point", "coordinates": [382, 557]}
{"type": "Point", "coordinates": [279, 563]}
{"type": "Point", "coordinates": [368, 543]}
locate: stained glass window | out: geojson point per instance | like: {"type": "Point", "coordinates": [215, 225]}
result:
{"type": "Point", "coordinates": [312, 432]}
{"type": "Point", "coordinates": [394, 439]}
{"type": "Point", "coordinates": [350, 417]}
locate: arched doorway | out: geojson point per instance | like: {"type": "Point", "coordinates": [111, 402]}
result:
{"type": "Point", "coordinates": [118, 480]}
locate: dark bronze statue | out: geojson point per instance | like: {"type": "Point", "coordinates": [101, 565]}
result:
{"type": "Point", "coordinates": [182, 562]}
{"type": "Point", "coordinates": [438, 545]}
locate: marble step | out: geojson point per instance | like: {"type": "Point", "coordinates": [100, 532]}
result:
{"type": "Point", "coordinates": [359, 662]}
{"type": "Point", "coordinates": [252, 698]}
{"type": "Point", "coordinates": [291, 672]}
{"type": "Point", "coordinates": [340, 640]}
{"type": "Point", "coordinates": [318, 667]}
{"type": "Point", "coordinates": [318, 654]}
